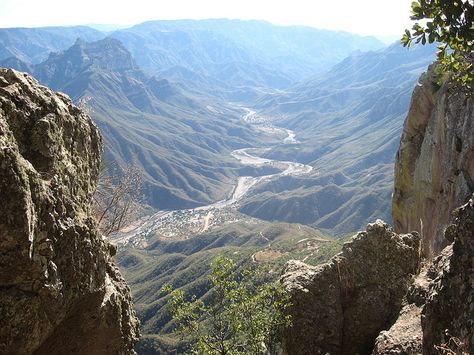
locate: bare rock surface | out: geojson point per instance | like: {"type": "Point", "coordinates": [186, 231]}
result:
{"type": "Point", "coordinates": [405, 336]}
{"type": "Point", "coordinates": [449, 310]}
{"type": "Point", "coordinates": [340, 307]}
{"type": "Point", "coordinates": [439, 308]}
{"type": "Point", "coordinates": [363, 295]}
{"type": "Point", "coordinates": [60, 292]}
{"type": "Point", "coordinates": [434, 167]}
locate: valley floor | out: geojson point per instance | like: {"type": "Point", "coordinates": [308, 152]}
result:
{"type": "Point", "coordinates": [182, 224]}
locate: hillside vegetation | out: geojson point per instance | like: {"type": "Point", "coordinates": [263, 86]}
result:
{"type": "Point", "coordinates": [186, 265]}
{"type": "Point", "coordinates": [349, 123]}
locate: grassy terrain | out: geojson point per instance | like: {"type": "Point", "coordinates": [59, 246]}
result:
{"type": "Point", "coordinates": [186, 265]}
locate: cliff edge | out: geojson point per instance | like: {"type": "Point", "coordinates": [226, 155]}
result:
{"type": "Point", "coordinates": [434, 166]}
{"type": "Point", "coordinates": [437, 311]}
{"type": "Point", "coordinates": [60, 292]}
{"type": "Point", "coordinates": [376, 285]}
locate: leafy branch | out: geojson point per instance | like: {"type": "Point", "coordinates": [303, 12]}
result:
{"type": "Point", "coordinates": [449, 23]}
{"type": "Point", "coordinates": [245, 316]}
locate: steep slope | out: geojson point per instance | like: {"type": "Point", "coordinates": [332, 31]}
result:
{"type": "Point", "coordinates": [60, 291]}
{"type": "Point", "coordinates": [181, 140]}
{"type": "Point", "coordinates": [348, 124]}
{"type": "Point", "coordinates": [435, 161]}
{"type": "Point", "coordinates": [440, 303]}
{"type": "Point", "coordinates": [33, 45]}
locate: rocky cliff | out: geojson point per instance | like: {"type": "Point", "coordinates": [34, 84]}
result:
{"type": "Point", "coordinates": [438, 311]}
{"type": "Point", "coordinates": [338, 308]}
{"type": "Point", "coordinates": [434, 168]}
{"type": "Point", "coordinates": [60, 292]}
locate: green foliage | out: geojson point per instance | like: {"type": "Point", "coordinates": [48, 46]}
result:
{"type": "Point", "coordinates": [451, 24]}
{"type": "Point", "coordinates": [245, 314]}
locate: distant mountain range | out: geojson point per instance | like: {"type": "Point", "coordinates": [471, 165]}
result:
{"type": "Point", "coordinates": [181, 140]}
{"type": "Point", "coordinates": [168, 96]}
{"type": "Point", "coordinates": [33, 45]}
{"type": "Point", "coordinates": [280, 55]}
{"type": "Point", "coordinates": [230, 53]}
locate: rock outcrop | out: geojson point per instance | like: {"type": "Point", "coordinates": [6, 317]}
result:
{"type": "Point", "coordinates": [438, 311]}
{"type": "Point", "coordinates": [434, 168]}
{"type": "Point", "coordinates": [340, 307]}
{"type": "Point", "coordinates": [60, 292]}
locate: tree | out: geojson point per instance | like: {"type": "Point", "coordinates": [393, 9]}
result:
{"type": "Point", "coordinates": [115, 197]}
{"type": "Point", "coordinates": [451, 24]}
{"type": "Point", "coordinates": [245, 314]}
{"type": "Point", "coordinates": [116, 193]}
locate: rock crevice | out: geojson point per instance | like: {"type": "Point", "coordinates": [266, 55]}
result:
{"type": "Point", "coordinates": [340, 307]}
{"type": "Point", "coordinates": [59, 289]}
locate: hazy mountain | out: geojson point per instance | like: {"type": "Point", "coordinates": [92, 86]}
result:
{"type": "Point", "coordinates": [349, 123]}
{"type": "Point", "coordinates": [180, 128]}
{"type": "Point", "coordinates": [33, 45]}
{"type": "Point", "coordinates": [282, 54]}
{"type": "Point", "coordinates": [16, 63]}
{"type": "Point", "coordinates": [180, 140]}
{"type": "Point", "coordinates": [235, 60]}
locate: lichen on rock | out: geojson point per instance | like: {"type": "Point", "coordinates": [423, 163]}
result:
{"type": "Point", "coordinates": [60, 291]}
{"type": "Point", "coordinates": [340, 307]}
{"type": "Point", "coordinates": [434, 167]}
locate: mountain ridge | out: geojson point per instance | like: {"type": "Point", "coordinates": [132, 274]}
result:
{"type": "Point", "coordinates": [200, 170]}
{"type": "Point", "coordinates": [349, 129]}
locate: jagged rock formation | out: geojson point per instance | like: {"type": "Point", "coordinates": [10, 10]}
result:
{"type": "Point", "coordinates": [59, 289]}
{"type": "Point", "coordinates": [434, 174]}
{"type": "Point", "coordinates": [340, 307]}
{"type": "Point", "coordinates": [434, 169]}
{"type": "Point", "coordinates": [439, 307]}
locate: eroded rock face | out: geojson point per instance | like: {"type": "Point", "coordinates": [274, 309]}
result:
{"type": "Point", "coordinates": [450, 302]}
{"type": "Point", "coordinates": [59, 289]}
{"type": "Point", "coordinates": [434, 168]}
{"type": "Point", "coordinates": [440, 304]}
{"type": "Point", "coordinates": [340, 307]}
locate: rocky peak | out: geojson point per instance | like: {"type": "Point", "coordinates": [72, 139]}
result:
{"type": "Point", "coordinates": [60, 291]}
{"type": "Point", "coordinates": [107, 54]}
{"type": "Point", "coordinates": [438, 309]}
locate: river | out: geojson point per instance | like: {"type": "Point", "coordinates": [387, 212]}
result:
{"type": "Point", "coordinates": [241, 188]}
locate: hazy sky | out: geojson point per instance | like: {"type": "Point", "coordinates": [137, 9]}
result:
{"type": "Point", "coordinates": [375, 17]}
